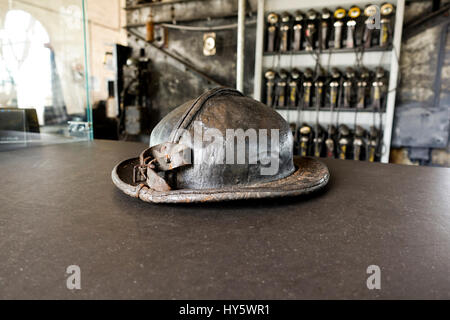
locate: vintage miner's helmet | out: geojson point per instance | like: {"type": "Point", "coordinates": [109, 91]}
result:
{"type": "Point", "coordinates": [180, 167]}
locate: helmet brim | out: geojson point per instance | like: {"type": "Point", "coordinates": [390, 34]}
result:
{"type": "Point", "coordinates": [310, 175]}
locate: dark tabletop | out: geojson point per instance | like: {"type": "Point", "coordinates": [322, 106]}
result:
{"type": "Point", "coordinates": [58, 207]}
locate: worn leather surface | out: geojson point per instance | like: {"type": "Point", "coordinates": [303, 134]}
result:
{"type": "Point", "coordinates": [221, 109]}
{"type": "Point", "coordinates": [58, 207]}
{"type": "Point", "coordinates": [311, 175]}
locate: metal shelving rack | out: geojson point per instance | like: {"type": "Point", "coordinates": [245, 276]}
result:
{"type": "Point", "coordinates": [156, 4]}
{"type": "Point", "coordinates": [388, 59]}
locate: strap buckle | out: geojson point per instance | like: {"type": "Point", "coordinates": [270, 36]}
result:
{"type": "Point", "coordinates": [160, 158]}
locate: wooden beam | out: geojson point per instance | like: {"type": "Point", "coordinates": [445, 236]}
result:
{"type": "Point", "coordinates": [430, 20]}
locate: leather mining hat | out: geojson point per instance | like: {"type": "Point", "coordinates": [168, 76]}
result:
{"type": "Point", "coordinates": [220, 146]}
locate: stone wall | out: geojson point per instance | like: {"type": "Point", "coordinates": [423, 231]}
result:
{"type": "Point", "coordinates": [422, 121]}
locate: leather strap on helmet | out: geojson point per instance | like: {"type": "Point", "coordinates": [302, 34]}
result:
{"type": "Point", "coordinates": [160, 158]}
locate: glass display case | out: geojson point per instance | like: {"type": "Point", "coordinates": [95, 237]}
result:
{"type": "Point", "coordinates": [44, 89]}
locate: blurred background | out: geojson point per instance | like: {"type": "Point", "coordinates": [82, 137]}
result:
{"type": "Point", "coordinates": [74, 70]}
